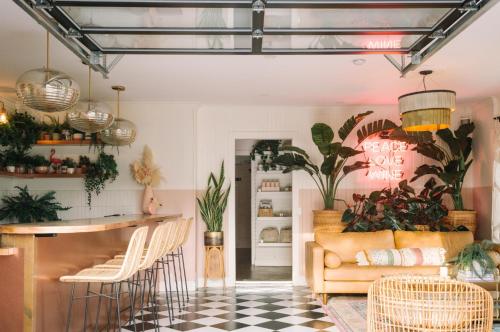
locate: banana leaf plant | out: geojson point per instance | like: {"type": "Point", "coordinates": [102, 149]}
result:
{"type": "Point", "coordinates": [214, 202]}
{"type": "Point", "coordinates": [336, 155]}
{"type": "Point", "coordinates": [453, 157]}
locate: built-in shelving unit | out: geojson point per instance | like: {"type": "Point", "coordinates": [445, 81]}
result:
{"type": "Point", "coordinates": [276, 253]}
{"type": "Point", "coordinates": [40, 176]}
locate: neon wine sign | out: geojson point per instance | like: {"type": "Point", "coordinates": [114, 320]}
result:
{"type": "Point", "coordinates": [386, 161]}
{"type": "Point", "coordinates": [384, 44]}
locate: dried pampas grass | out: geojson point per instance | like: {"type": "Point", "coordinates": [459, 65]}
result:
{"type": "Point", "coordinates": [145, 171]}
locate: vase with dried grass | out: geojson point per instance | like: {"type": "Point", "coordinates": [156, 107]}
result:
{"type": "Point", "coordinates": [145, 172]}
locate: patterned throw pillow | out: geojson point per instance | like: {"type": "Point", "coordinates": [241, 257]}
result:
{"type": "Point", "coordinates": [387, 257]}
{"type": "Point", "coordinates": [423, 256]}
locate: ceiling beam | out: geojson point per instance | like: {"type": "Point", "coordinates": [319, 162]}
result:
{"type": "Point", "coordinates": [248, 31]}
{"type": "Point", "coordinates": [258, 14]}
{"type": "Point", "coordinates": [270, 3]}
{"type": "Point", "coordinates": [245, 51]}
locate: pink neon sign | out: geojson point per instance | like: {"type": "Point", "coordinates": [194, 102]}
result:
{"type": "Point", "coordinates": [386, 159]}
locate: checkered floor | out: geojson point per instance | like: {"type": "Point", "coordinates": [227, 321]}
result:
{"type": "Point", "coordinates": [244, 309]}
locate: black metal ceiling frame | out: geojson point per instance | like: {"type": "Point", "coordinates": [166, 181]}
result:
{"type": "Point", "coordinates": [459, 12]}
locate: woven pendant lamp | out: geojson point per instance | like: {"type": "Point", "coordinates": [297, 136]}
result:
{"type": "Point", "coordinates": [427, 110]}
{"type": "Point", "coordinates": [121, 132]}
{"type": "Point", "coordinates": [93, 118]}
{"type": "Point", "coordinates": [47, 90]}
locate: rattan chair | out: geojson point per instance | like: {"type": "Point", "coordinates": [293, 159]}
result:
{"type": "Point", "coordinates": [430, 304]}
{"type": "Point", "coordinates": [112, 276]}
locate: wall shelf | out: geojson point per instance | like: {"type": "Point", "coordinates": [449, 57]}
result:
{"type": "Point", "coordinates": [64, 142]}
{"type": "Point", "coordinates": [271, 219]}
{"type": "Point", "coordinates": [41, 176]}
{"type": "Point", "coordinates": [275, 244]}
{"type": "Point", "coordinates": [271, 173]}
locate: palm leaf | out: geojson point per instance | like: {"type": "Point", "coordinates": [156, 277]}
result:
{"type": "Point", "coordinates": [351, 123]}
{"type": "Point", "coordinates": [356, 166]}
{"type": "Point", "coordinates": [373, 128]}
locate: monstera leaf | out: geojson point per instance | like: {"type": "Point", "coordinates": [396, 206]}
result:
{"type": "Point", "coordinates": [351, 123]}
{"type": "Point", "coordinates": [373, 128]}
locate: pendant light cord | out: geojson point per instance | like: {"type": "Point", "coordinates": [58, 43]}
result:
{"type": "Point", "coordinates": [90, 79]}
{"type": "Point", "coordinates": [118, 103]}
{"type": "Point", "coordinates": [48, 53]}
{"type": "Point", "coordinates": [423, 80]}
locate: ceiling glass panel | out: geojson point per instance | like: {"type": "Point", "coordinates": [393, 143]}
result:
{"type": "Point", "coordinates": [368, 42]}
{"type": "Point", "coordinates": [173, 41]}
{"type": "Point", "coordinates": [160, 17]}
{"type": "Point", "coordinates": [353, 18]}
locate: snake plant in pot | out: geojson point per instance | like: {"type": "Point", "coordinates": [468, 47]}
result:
{"type": "Point", "coordinates": [452, 154]}
{"type": "Point", "coordinates": [335, 165]}
{"type": "Point", "coordinates": [212, 205]}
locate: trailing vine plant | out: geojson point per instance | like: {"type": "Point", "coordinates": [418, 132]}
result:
{"type": "Point", "coordinates": [103, 170]}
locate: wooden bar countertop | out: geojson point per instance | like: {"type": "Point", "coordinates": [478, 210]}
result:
{"type": "Point", "coordinates": [85, 225]}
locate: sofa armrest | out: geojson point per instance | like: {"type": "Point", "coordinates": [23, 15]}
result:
{"type": "Point", "coordinates": [315, 267]}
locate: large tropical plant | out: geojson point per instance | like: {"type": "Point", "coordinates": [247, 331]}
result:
{"type": "Point", "coordinates": [453, 155]}
{"type": "Point", "coordinates": [334, 167]}
{"type": "Point", "coordinates": [214, 202]}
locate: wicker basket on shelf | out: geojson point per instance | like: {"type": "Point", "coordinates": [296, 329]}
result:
{"type": "Point", "coordinates": [465, 218]}
{"type": "Point", "coordinates": [265, 212]}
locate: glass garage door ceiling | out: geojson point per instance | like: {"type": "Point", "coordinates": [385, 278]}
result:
{"type": "Point", "coordinates": [258, 26]}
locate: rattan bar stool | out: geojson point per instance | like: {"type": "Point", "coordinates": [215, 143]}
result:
{"type": "Point", "coordinates": [111, 276]}
{"type": "Point", "coordinates": [165, 232]}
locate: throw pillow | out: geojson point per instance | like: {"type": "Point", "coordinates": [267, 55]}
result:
{"type": "Point", "coordinates": [423, 256]}
{"type": "Point", "coordinates": [384, 257]}
{"type": "Point", "coordinates": [332, 260]}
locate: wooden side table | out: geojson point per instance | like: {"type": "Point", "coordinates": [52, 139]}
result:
{"type": "Point", "coordinates": [214, 264]}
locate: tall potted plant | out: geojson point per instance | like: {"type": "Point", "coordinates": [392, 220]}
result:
{"type": "Point", "coordinates": [334, 167]}
{"type": "Point", "coordinates": [212, 205]}
{"type": "Point", "coordinates": [453, 156]}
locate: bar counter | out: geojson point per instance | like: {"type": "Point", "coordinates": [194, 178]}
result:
{"type": "Point", "coordinates": [33, 299]}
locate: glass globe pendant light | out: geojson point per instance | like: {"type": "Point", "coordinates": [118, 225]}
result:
{"type": "Point", "coordinates": [427, 110]}
{"type": "Point", "coordinates": [47, 90]}
{"type": "Point", "coordinates": [93, 118]}
{"type": "Point", "coordinates": [121, 132]}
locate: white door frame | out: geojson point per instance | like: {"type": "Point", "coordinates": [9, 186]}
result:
{"type": "Point", "coordinates": [230, 243]}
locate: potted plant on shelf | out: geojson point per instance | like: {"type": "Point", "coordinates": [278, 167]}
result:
{"type": "Point", "coordinates": [41, 164]}
{"type": "Point", "coordinates": [453, 154]}
{"type": "Point", "coordinates": [212, 205]}
{"type": "Point", "coordinates": [103, 170]}
{"type": "Point", "coordinates": [70, 165]}
{"type": "Point", "coordinates": [148, 174]}
{"type": "Point", "coordinates": [27, 208]}
{"type": "Point", "coordinates": [266, 151]}
{"type": "Point", "coordinates": [83, 164]}
{"type": "Point", "coordinates": [334, 167]}
{"type": "Point", "coordinates": [474, 262]}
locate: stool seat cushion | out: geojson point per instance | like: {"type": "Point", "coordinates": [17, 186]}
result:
{"type": "Point", "coordinates": [92, 275]}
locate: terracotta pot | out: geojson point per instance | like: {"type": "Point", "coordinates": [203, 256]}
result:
{"type": "Point", "coordinates": [77, 136]}
{"type": "Point", "coordinates": [56, 136]}
{"type": "Point", "coordinates": [41, 169]}
{"type": "Point", "coordinates": [214, 238]}
{"type": "Point", "coordinates": [78, 170]}
{"type": "Point", "coordinates": [328, 221]}
{"type": "Point", "coordinates": [465, 218]}
{"type": "Point", "coordinates": [46, 137]}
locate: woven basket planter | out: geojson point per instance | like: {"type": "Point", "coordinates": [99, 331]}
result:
{"type": "Point", "coordinates": [328, 221]}
{"type": "Point", "coordinates": [462, 218]}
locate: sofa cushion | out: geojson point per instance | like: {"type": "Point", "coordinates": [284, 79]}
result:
{"type": "Point", "coordinates": [332, 260]}
{"type": "Point", "coordinates": [452, 242]}
{"type": "Point", "coordinates": [346, 245]}
{"type": "Point", "coordinates": [383, 257]}
{"type": "Point", "coordinates": [422, 256]}
{"type": "Point", "coordinates": [353, 272]}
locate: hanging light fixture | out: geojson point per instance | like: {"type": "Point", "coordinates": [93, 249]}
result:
{"type": "Point", "coordinates": [47, 90]}
{"type": "Point", "coordinates": [93, 118]}
{"type": "Point", "coordinates": [3, 114]}
{"type": "Point", "coordinates": [121, 132]}
{"type": "Point", "coordinates": [427, 110]}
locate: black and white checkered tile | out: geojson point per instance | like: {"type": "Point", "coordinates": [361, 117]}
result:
{"type": "Point", "coordinates": [244, 309]}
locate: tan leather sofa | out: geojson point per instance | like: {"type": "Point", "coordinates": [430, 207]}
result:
{"type": "Point", "coordinates": [345, 276]}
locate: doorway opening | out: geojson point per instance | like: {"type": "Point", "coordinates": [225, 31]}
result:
{"type": "Point", "coordinates": [263, 213]}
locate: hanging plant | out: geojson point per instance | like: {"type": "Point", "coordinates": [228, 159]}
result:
{"type": "Point", "coordinates": [103, 170]}
{"type": "Point", "coordinates": [268, 150]}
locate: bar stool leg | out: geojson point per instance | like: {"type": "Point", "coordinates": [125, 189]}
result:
{"type": "Point", "coordinates": [176, 284]}
{"type": "Point", "coordinates": [169, 308]}
{"type": "Point", "coordinates": [96, 327]}
{"type": "Point", "coordinates": [180, 275]}
{"type": "Point", "coordinates": [132, 304]}
{"type": "Point", "coordinates": [184, 273]}
{"type": "Point", "coordinates": [169, 289]}
{"type": "Point", "coordinates": [110, 303]}
{"type": "Point", "coordinates": [119, 323]}
{"type": "Point", "coordinates": [86, 307]}
{"type": "Point", "coordinates": [70, 306]}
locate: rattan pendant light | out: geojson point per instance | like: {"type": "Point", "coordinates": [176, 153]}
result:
{"type": "Point", "coordinates": [427, 110]}
{"type": "Point", "coordinates": [121, 132]}
{"type": "Point", "coordinates": [47, 90]}
{"type": "Point", "coordinates": [94, 118]}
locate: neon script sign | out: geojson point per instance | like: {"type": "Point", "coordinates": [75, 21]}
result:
{"type": "Point", "coordinates": [385, 159]}
{"type": "Point", "coordinates": [384, 44]}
